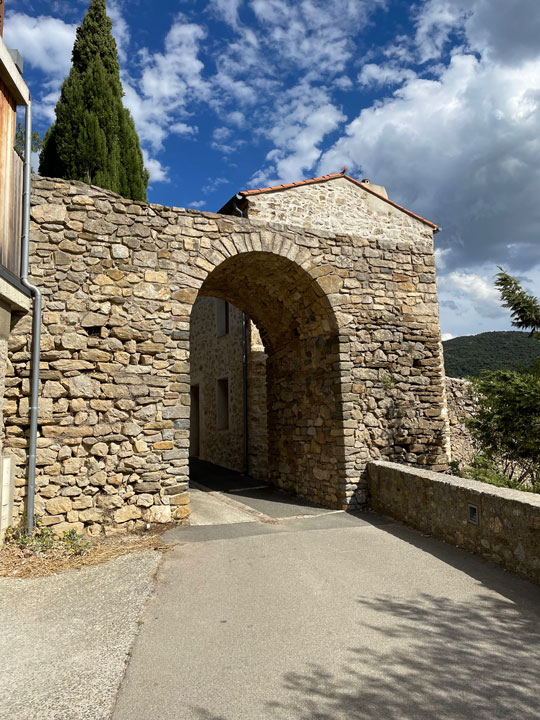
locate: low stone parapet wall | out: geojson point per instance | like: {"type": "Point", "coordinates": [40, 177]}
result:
{"type": "Point", "coordinates": [507, 527]}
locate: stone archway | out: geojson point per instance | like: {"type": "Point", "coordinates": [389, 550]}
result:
{"type": "Point", "coordinates": [300, 332]}
{"type": "Point", "coordinates": [350, 322]}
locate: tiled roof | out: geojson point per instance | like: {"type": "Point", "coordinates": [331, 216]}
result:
{"type": "Point", "coordinates": [324, 178]}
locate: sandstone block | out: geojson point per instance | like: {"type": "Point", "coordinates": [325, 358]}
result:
{"type": "Point", "coordinates": [58, 505]}
{"type": "Point", "coordinates": [181, 499]}
{"type": "Point", "coordinates": [83, 386]}
{"type": "Point", "coordinates": [158, 514]}
{"type": "Point", "coordinates": [82, 503]}
{"type": "Point", "coordinates": [119, 252]}
{"type": "Point", "coordinates": [180, 512]}
{"type": "Point", "coordinates": [128, 512]}
{"type": "Point", "coordinates": [49, 213]}
{"type": "Point", "coordinates": [63, 527]}
{"type": "Point", "coordinates": [94, 319]}
{"type": "Point", "coordinates": [90, 515]}
{"type": "Point", "coordinates": [109, 502]}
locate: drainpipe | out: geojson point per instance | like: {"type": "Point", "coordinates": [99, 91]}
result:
{"type": "Point", "coordinates": [245, 389]}
{"type": "Point", "coordinates": [36, 321]}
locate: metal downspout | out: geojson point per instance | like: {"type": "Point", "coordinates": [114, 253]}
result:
{"type": "Point", "coordinates": [245, 389]}
{"type": "Point", "coordinates": [36, 322]}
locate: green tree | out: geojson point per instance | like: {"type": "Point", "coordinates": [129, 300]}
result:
{"type": "Point", "coordinates": [524, 308]}
{"type": "Point", "coordinates": [19, 141]}
{"type": "Point", "coordinates": [93, 138]}
{"type": "Point", "coordinates": [506, 425]}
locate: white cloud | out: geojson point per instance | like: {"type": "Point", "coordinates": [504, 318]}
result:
{"type": "Point", "coordinates": [44, 42]}
{"type": "Point", "coordinates": [462, 150]}
{"type": "Point", "coordinates": [316, 35]}
{"type": "Point", "coordinates": [214, 183]}
{"type": "Point", "coordinates": [227, 10]}
{"type": "Point", "coordinates": [302, 118]}
{"type": "Point", "coordinates": [384, 74]}
{"type": "Point", "coordinates": [440, 254]}
{"type": "Point", "coordinates": [183, 129]}
{"type": "Point", "coordinates": [447, 336]}
{"type": "Point", "coordinates": [197, 204]}
{"type": "Point", "coordinates": [167, 83]}
{"type": "Point", "coordinates": [436, 20]}
{"type": "Point", "coordinates": [158, 172]}
{"type": "Point", "coordinates": [120, 29]}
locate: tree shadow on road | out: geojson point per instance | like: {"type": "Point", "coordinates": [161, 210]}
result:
{"type": "Point", "coordinates": [434, 658]}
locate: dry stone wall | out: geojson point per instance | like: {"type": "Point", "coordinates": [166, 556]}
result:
{"type": "Point", "coordinates": [461, 405]}
{"type": "Point", "coordinates": [349, 324]}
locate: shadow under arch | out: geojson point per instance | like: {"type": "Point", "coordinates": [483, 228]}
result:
{"type": "Point", "coordinates": [300, 332]}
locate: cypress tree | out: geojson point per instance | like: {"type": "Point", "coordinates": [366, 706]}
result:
{"type": "Point", "coordinates": [93, 138]}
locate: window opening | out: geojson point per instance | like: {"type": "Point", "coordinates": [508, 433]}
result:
{"type": "Point", "coordinates": [222, 404]}
{"type": "Point", "coordinates": [222, 317]}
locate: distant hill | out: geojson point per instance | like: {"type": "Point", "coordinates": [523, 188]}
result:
{"type": "Point", "coordinates": [467, 356]}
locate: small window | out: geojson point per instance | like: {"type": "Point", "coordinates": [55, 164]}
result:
{"type": "Point", "coordinates": [222, 317]}
{"type": "Point", "coordinates": [222, 404]}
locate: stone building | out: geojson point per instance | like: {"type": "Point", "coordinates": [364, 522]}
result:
{"type": "Point", "coordinates": [15, 299]}
{"type": "Point", "coordinates": [228, 388]}
{"type": "Point", "coordinates": [338, 280]}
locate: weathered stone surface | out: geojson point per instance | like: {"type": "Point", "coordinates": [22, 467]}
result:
{"type": "Point", "coordinates": [58, 505]}
{"type": "Point", "coordinates": [461, 406]}
{"type": "Point", "coordinates": [158, 514]}
{"type": "Point", "coordinates": [83, 386]}
{"type": "Point", "coordinates": [49, 213]}
{"type": "Point", "coordinates": [128, 512]}
{"type": "Point", "coordinates": [347, 366]}
{"type": "Point", "coordinates": [437, 504]}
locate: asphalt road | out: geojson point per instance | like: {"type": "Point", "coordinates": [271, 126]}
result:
{"type": "Point", "coordinates": [331, 616]}
{"type": "Point", "coordinates": [65, 639]}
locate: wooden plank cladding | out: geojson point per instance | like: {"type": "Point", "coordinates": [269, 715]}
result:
{"type": "Point", "coordinates": [11, 168]}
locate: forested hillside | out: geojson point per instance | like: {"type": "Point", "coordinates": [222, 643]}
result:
{"type": "Point", "coordinates": [469, 355]}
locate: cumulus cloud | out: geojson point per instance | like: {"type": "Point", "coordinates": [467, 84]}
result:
{"type": "Point", "coordinates": [303, 117]}
{"type": "Point", "coordinates": [316, 35]}
{"type": "Point", "coordinates": [462, 149]}
{"type": "Point", "coordinates": [45, 42]}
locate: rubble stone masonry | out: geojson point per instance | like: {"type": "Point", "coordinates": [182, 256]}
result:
{"type": "Point", "coordinates": [349, 324]}
{"type": "Point", "coordinates": [461, 405]}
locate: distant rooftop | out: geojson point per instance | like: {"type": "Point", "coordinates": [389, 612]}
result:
{"type": "Point", "coordinates": [376, 190]}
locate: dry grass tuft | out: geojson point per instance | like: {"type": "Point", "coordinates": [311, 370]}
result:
{"type": "Point", "coordinates": [19, 562]}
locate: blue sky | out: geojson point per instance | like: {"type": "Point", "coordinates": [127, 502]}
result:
{"type": "Point", "coordinates": [437, 100]}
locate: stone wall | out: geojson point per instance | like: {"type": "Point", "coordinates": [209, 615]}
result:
{"type": "Point", "coordinates": [349, 324]}
{"type": "Point", "coordinates": [337, 205]}
{"type": "Point", "coordinates": [461, 405]}
{"type": "Point", "coordinates": [214, 357]}
{"type": "Point", "coordinates": [508, 529]}
{"type": "Point", "coordinates": [257, 407]}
